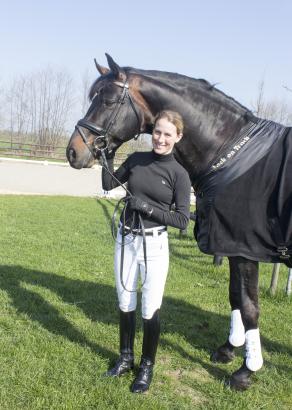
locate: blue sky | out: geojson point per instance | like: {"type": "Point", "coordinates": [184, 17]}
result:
{"type": "Point", "coordinates": [233, 43]}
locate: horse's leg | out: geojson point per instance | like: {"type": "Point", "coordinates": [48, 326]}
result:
{"type": "Point", "coordinates": [225, 353]}
{"type": "Point", "coordinates": [247, 272]}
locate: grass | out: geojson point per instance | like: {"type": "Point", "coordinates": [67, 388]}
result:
{"type": "Point", "coordinates": [59, 321]}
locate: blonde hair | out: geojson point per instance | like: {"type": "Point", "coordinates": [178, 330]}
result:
{"type": "Point", "coordinates": [172, 116]}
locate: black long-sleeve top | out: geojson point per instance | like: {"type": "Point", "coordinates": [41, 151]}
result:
{"type": "Point", "coordinates": [158, 180]}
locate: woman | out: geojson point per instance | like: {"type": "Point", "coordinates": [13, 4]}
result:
{"type": "Point", "coordinates": [157, 182]}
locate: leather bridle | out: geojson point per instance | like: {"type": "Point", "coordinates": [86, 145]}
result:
{"type": "Point", "coordinates": [99, 146]}
{"type": "Point", "coordinates": [101, 140]}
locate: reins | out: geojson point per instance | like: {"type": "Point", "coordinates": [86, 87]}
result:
{"type": "Point", "coordinates": [123, 230]}
{"type": "Point", "coordinates": [99, 145]}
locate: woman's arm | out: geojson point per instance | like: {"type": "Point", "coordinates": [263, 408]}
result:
{"type": "Point", "coordinates": [179, 217]}
{"type": "Point", "coordinates": [122, 174]}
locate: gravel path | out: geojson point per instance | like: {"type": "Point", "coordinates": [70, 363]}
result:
{"type": "Point", "coordinates": [46, 178]}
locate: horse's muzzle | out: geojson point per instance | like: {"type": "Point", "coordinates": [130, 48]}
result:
{"type": "Point", "coordinates": [72, 158]}
{"type": "Point", "coordinates": [71, 155]}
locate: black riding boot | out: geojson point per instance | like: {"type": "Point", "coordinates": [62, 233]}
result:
{"type": "Point", "coordinates": [125, 362]}
{"type": "Point", "coordinates": [150, 342]}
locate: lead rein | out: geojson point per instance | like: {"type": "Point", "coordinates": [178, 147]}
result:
{"type": "Point", "coordinates": [125, 199]}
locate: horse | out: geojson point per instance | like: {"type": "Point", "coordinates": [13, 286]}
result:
{"type": "Point", "coordinates": [243, 208]}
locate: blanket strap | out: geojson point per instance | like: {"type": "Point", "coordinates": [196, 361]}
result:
{"type": "Point", "coordinates": [282, 249]}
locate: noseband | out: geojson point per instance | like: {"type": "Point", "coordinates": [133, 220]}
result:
{"type": "Point", "coordinates": [101, 140]}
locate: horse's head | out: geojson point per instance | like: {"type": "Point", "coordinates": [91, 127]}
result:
{"type": "Point", "coordinates": [111, 119]}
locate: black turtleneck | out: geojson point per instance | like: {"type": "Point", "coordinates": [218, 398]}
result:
{"type": "Point", "coordinates": [158, 180]}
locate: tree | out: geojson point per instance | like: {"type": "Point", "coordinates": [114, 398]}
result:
{"type": "Point", "coordinates": [51, 102]}
{"type": "Point", "coordinates": [1, 106]}
{"type": "Point", "coordinates": [18, 107]}
{"type": "Point", "coordinates": [275, 110]}
{"type": "Point", "coordinates": [86, 83]}
{"type": "Point", "coordinates": [40, 105]}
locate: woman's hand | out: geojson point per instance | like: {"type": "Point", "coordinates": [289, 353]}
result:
{"type": "Point", "coordinates": [136, 204]}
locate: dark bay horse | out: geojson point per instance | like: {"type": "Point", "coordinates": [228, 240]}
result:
{"type": "Point", "coordinates": [228, 154]}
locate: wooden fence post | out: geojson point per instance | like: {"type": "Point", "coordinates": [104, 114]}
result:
{"type": "Point", "coordinates": [217, 260]}
{"type": "Point", "coordinates": [289, 283]}
{"type": "Point", "coordinates": [274, 280]}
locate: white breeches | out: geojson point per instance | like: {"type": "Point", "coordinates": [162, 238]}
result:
{"type": "Point", "coordinates": [134, 266]}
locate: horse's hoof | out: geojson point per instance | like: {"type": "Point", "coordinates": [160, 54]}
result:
{"type": "Point", "coordinates": [240, 380]}
{"type": "Point", "coordinates": [224, 354]}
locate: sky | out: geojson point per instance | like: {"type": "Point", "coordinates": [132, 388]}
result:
{"type": "Point", "coordinates": [232, 43]}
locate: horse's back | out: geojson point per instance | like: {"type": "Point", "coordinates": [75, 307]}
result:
{"type": "Point", "coordinates": [250, 215]}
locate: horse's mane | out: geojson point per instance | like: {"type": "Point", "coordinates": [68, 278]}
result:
{"type": "Point", "coordinates": [180, 81]}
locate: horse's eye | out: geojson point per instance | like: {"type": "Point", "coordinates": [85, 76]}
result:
{"type": "Point", "coordinates": [108, 103]}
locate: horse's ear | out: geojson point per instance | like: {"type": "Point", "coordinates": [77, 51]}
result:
{"type": "Point", "coordinates": [115, 68]}
{"type": "Point", "coordinates": [102, 70]}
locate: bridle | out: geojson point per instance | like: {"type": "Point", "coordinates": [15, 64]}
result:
{"type": "Point", "coordinates": [101, 140]}
{"type": "Point", "coordinates": [100, 145]}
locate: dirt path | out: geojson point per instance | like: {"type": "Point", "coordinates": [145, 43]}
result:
{"type": "Point", "coordinates": [45, 178]}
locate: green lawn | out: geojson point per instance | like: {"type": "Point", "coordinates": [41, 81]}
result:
{"type": "Point", "coordinates": [59, 321]}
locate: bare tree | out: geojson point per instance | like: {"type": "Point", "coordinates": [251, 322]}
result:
{"type": "Point", "coordinates": [275, 110]}
{"type": "Point", "coordinates": [40, 105]}
{"type": "Point", "coordinates": [51, 102]}
{"type": "Point", "coordinates": [287, 88]}
{"type": "Point", "coordinates": [1, 106]}
{"type": "Point", "coordinates": [86, 83]}
{"type": "Point", "coordinates": [17, 105]}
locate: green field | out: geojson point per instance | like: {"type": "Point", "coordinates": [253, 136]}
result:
{"type": "Point", "coordinates": [59, 321]}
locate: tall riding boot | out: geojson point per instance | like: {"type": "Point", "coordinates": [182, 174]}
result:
{"type": "Point", "coordinates": [125, 362]}
{"type": "Point", "coordinates": [150, 342]}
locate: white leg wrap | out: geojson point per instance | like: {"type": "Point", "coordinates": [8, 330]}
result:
{"type": "Point", "coordinates": [237, 331]}
{"type": "Point", "coordinates": [253, 351]}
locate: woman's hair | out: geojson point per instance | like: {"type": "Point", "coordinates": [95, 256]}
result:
{"type": "Point", "coordinates": [172, 116]}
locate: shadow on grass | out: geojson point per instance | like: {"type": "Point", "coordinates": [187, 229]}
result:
{"type": "Point", "coordinates": [83, 294]}
{"type": "Point", "coordinates": [202, 329]}
{"type": "Point", "coordinates": [105, 204]}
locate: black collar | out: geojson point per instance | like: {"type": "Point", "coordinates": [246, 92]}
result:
{"type": "Point", "coordinates": [162, 158]}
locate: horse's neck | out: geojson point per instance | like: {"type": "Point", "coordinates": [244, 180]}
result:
{"type": "Point", "coordinates": [210, 123]}
{"type": "Point", "coordinates": [206, 137]}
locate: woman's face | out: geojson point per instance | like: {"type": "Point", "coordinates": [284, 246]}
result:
{"type": "Point", "coordinates": [164, 137]}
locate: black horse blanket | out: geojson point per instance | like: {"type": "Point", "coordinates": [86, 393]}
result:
{"type": "Point", "coordinates": [244, 202]}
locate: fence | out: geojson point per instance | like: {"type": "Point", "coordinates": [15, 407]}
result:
{"type": "Point", "coordinates": [32, 151]}
{"type": "Point", "coordinates": [39, 152]}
